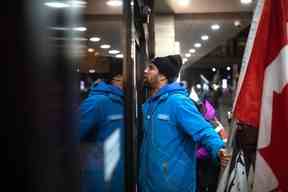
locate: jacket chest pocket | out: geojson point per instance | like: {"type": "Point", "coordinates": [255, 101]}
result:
{"type": "Point", "coordinates": [164, 130]}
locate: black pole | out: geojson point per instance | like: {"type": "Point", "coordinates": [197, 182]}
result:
{"type": "Point", "coordinates": [130, 101]}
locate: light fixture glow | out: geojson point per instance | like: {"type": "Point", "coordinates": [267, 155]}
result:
{"type": "Point", "coordinates": [198, 86]}
{"type": "Point", "coordinates": [192, 50]}
{"type": "Point", "coordinates": [92, 71]}
{"type": "Point", "coordinates": [237, 23]}
{"type": "Point", "coordinates": [185, 60]}
{"type": "Point", "coordinates": [188, 55]}
{"type": "Point", "coordinates": [113, 51]}
{"type": "Point", "coordinates": [105, 46]}
{"type": "Point", "coordinates": [114, 3]}
{"type": "Point", "coordinates": [120, 56]}
{"type": "Point", "coordinates": [95, 39]}
{"type": "Point", "coordinates": [228, 68]}
{"type": "Point", "coordinates": [215, 27]}
{"type": "Point", "coordinates": [78, 3]}
{"type": "Point", "coordinates": [56, 4]}
{"type": "Point", "coordinates": [204, 37]}
{"type": "Point", "coordinates": [246, 1]}
{"type": "Point", "coordinates": [197, 45]}
{"type": "Point", "coordinates": [183, 2]}
{"type": "Point", "coordinates": [90, 50]}
{"type": "Point", "coordinates": [213, 69]}
{"type": "Point", "coordinates": [80, 29]}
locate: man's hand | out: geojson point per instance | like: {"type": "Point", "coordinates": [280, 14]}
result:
{"type": "Point", "coordinates": [224, 157]}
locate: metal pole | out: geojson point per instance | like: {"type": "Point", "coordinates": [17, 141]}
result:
{"type": "Point", "coordinates": [130, 101]}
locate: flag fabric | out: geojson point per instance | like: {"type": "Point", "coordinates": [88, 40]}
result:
{"type": "Point", "coordinates": [262, 95]}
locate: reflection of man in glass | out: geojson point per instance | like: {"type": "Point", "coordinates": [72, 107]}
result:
{"type": "Point", "coordinates": [172, 127]}
{"type": "Point", "coordinates": [101, 124]}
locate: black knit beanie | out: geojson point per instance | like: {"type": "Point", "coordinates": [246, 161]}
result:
{"type": "Point", "coordinates": [168, 66]}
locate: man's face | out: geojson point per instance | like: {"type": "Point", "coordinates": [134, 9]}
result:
{"type": "Point", "coordinates": [118, 80]}
{"type": "Point", "coordinates": [151, 75]}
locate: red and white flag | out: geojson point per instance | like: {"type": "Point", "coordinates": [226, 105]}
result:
{"type": "Point", "coordinates": [262, 94]}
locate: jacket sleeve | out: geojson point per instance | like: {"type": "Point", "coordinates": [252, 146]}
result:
{"type": "Point", "coordinates": [194, 124]}
{"type": "Point", "coordinates": [89, 116]}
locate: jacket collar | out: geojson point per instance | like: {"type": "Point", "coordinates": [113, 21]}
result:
{"type": "Point", "coordinates": [110, 90]}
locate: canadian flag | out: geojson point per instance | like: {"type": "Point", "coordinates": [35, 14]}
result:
{"type": "Point", "coordinates": [262, 95]}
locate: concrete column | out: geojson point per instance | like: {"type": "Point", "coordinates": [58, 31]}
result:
{"type": "Point", "coordinates": [165, 36]}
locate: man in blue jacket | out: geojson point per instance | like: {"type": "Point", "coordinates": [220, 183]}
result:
{"type": "Point", "coordinates": [172, 127]}
{"type": "Point", "coordinates": [101, 127]}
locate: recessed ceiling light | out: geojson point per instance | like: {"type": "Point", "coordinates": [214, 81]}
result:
{"type": "Point", "coordinates": [246, 1]}
{"type": "Point", "coordinates": [78, 3]}
{"type": "Point", "coordinates": [237, 23]}
{"type": "Point", "coordinates": [215, 27]}
{"type": "Point", "coordinates": [213, 69]}
{"type": "Point", "coordinates": [188, 55]}
{"type": "Point", "coordinates": [113, 52]}
{"type": "Point", "coordinates": [114, 3]}
{"type": "Point", "coordinates": [183, 2]}
{"type": "Point", "coordinates": [192, 50]}
{"type": "Point", "coordinates": [92, 71]}
{"type": "Point", "coordinates": [120, 56]}
{"type": "Point", "coordinates": [228, 68]}
{"type": "Point", "coordinates": [90, 50]}
{"type": "Point", "coordinates": [185, 60]}
{"type": "Point", "coordinates": [56, 4]}
{"type": "Point", "coordinates": [204, 37]}
{"type": "Point", "coordinates": [95, 39]}
{"type": "Point", "coordinates": [80, 29]}
{"type": "Point", "coordinates": [197, 45]}
{"type": "Point", "coordinates": [105, 46]}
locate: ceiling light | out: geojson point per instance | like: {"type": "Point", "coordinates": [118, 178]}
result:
{"type": "Point", "coordinates": [198, 86]}
{"type": "Point", "coordinates": [246, 1]}
{"type": "Point", "coordinates": [105, 46]}
{"type": "Point", "coordinates": [197, 45]}
{"type": "Point", "coordinates": [192, 50]}
{"type": "Point", "coordinates": [183, 2]}
{"type": "Point", "coordinates": [213, 69]}
{"type": "Point", "coordinates": [80, 29]}
{"type": "Point", "coordinates": [228, 68]}
{"type": "Point", "coordinates": [113, 52]}
{"type": "Point", "coordinates": [237, 23]}
{"type": "Point", "coordinates": [132, 3]}
{"type": "Point", "coordinates": [215, 27]}
{"type": "Point", "coordinates": [185, 60]}
{"type": "Point", "coordinates": [92, 71]}
{"type": "Point", "coordinates": [56, 4]}
{"type": "Point", "coordinates": [188, 55]}
{"type": "Point", "coordinates": [204, 37]}
{"type": "Point", "coordinates": [119, 56]}
{"type": "Point", "coordinates": [114, 3]}
{"type": "Point", "coordinates": [90, 50]}
{"type": "Point", "coordinates": [95, 39]}
{"type": "Point", "coordinates": [78, 3]}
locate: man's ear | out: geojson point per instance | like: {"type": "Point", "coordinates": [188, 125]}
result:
{"type": "Point", "coordinates": [162, 77]}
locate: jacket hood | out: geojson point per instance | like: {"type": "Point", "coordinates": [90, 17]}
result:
{"type": "Point", "coordinates": [168, 89]}
{"type": "Point", "coordinates": [106, 88]}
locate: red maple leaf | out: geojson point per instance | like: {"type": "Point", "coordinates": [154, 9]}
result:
{"type": "Point", "coordinates": [276, 153]}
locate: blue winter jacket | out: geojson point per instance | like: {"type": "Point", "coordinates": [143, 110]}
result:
{"type": "Point", "coordinates": [172, 127]}
{"type": "Point", "coordinates": [101, 127]}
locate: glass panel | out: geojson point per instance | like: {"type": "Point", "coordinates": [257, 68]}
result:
{"type": "Point", "coordinates": [102, 97]}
